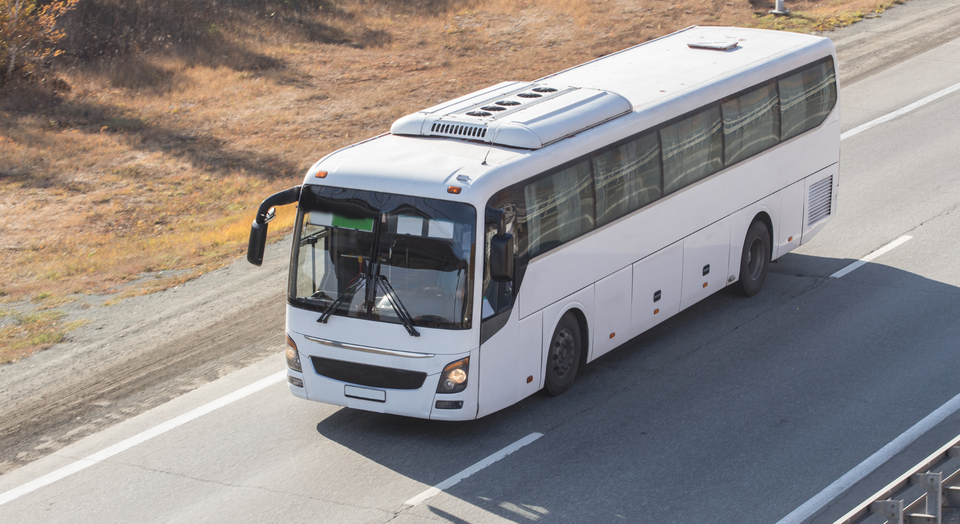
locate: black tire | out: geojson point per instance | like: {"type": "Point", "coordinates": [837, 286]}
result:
{"type": "Point", "coordinates": [754, 260]}
{"type": "Point", "coordinates": [563, 358]}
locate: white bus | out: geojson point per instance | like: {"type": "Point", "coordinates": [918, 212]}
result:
{"type": "Point", "coordinates": [486, 248]}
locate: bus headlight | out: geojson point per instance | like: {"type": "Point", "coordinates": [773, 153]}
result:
{"type": "Point", "coordinates": [293, 356]}
{"type": "Point", "coordinates": [454, 377]}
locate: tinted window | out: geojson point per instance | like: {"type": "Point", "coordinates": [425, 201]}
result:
{"type": "Point", "coordinates": [559, 207]}
{"type": "Point", "coordinates": [692, 149]}
{"type": "Point", "coordinates": [807, 97]}
{"type": "Point", "coordinates": [627, 177]}
{"type": "Point", "coordinates": [751, 123]}
{"type": "Point", "coordinates": [498, 296]}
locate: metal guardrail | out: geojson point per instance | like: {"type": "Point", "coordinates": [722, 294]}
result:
{"type": "Point", "coordinates": [920, 495]}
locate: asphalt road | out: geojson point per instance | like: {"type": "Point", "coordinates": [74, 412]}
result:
{"type": "Point", "coordinates": [737, 410]}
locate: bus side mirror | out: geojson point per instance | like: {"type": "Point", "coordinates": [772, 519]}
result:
{"type": "Point", "coordinates": [501, 258]}
{"type": "Point", "coordinates": [498, 218]}
{"type": "Point", "coordinates": [258, 241]}
{"type": "Point", "coordinates": [266, 213]}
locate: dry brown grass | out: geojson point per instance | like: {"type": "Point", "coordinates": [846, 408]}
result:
{"type": "Point", "coordinates": [152, 154]}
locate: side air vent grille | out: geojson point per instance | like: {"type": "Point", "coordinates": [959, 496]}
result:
{"type": "Point", "coordinates": [366, 375]}
{"type": "Point", "coordinates": [458, 130]}
{"type": "Point", "coordinates": [819, 200]}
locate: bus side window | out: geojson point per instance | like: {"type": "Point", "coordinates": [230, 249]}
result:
{"type": "Point", "coordinates": [627, 177]}
{"type": "Point", "coordinates": [692, 149]}
{"type": "Point", "coordinates": [807, 97]}
{"type": "Point", "coordinates": [751, 123]}
{"type": "Point", "coordinates": [497, 296]}
{"type": "Point", "coordinates": [559, 207]}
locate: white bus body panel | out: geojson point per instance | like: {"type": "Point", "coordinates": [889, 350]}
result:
{"type": "Point", "coordinates": [789, 222]}
{"type": "Point", "coordinates": [392, 338]}
{"type": "Point", "coordinates": [613, 302]}
{"type": "Point", "coordinates": [705, 257]}
{"type": "Point", "coordinates": [660, 273]}
{"type": "Point", "coordinates": [508, 359]}
{"type": "Point", "coordinates": [531, 361]}
{"type": "Point", "coordinates": [500, 368]}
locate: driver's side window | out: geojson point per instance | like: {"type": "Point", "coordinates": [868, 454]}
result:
{"type": "Point", "coordinates": [497, 296]}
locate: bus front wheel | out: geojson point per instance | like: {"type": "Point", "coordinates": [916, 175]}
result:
{"type": "Point", "coordinates": [754, 260]}
{"type": "Point", "coordinates": [563, 359]}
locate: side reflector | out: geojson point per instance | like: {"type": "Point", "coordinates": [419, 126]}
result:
{"type": "Point", "coordinates": [321, 174]}
{"type": "Point", "coordinates": [790, 239]}
{"type": "Point", "coordinates": [530, 379]}
{"type": "Point", "coordinates": [455, 190]}
{"type": "Point", "coordinates": [655, 311]}
{"type": "Point", "coordinates": [612, 335]}
{"type": "Point", "coordinates": [704, 284]}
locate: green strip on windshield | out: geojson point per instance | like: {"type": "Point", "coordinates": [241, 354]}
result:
{"type": "Point", "coordinates": [362, 224]}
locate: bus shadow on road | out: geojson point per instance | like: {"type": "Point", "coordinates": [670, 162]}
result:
{"type": "Point", "coordinates": [722, 387]}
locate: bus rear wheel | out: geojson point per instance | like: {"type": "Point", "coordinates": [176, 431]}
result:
{"type": "Point", "coordinates": [563, 358]}
{"type": "Point", "coordinates": [755, 259]}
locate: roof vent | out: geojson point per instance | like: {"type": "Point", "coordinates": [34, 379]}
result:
{"type": "Point", "coordinates": [718, 44]}
{"type": "Point", "coordinates": [526, 115]}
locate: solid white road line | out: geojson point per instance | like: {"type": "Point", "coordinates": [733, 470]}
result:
{"type": "Point", "coordinates": [902, 111]}
{"type": "Point", "coordinates": [871, 256]}
{"type": "Point", "coordinates": [810, 507]}
{"type": "Point", "coordinates": [452, 481]}
{"type": "Point", "coordinates": [140, 438]}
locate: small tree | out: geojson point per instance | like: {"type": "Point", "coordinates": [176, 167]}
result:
{"type": "Point", "coordinates": [28, 31]}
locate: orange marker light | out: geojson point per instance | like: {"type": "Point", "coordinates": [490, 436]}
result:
{"type": "Point", "coordinates": [655, 311]}
{"type": "Point", "coordinates": [704, 284]}
{"type": "Point", "coordinates": [454, 190]}
{"type": "Point", "coordinates": [321, 174]}
{"type": "Point", "coordinates": [612, 335]}
{"type": "Point", "coordinates": [530, 379]}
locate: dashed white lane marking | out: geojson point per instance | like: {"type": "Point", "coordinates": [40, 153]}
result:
{"type": "Point", "coordinates": [902, 111]}
{"type": "Point", "coordinates": [452, 481]}
{"type": "Point", "coordinates": [140, 438]}
{"type": "Point", "coordinates": [871, 256]}
{"type": "Point", "coordinates": [812, 506]}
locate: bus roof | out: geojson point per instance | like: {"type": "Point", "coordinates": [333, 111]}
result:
{"type": "Point", "coordinates": [458, 141]}
{"type": "Point", "coordinates": [651, 72]}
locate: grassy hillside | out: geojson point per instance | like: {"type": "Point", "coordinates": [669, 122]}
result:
{"type": "Point", "coordinates": [136, 160]}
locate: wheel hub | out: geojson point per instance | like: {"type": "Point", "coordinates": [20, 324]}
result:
{"type": "Point", "coordinates": [562, 351]}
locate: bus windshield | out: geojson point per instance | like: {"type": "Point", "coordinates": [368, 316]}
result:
{"type": "Point", "coordinates": [383, 257]}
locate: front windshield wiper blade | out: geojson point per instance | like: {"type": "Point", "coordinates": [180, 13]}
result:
{"type": "Point", "coordinates": [398, 307]}
{"type": "Point", "coordinates": [347, 293]}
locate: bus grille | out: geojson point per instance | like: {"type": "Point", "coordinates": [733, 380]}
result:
{"type": "Point", "coordinates": [818, 203]}
{"type": "Point", "coordinates": [367, 375]}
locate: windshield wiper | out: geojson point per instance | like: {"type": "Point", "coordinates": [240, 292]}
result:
{"type": "Point", "coordinates": [347, 293]}
{"type": "Point", "coordinates": [398, 307]}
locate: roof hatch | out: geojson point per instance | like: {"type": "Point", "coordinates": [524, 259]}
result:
{"type": "Point", "coordinates": [516, 114]}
